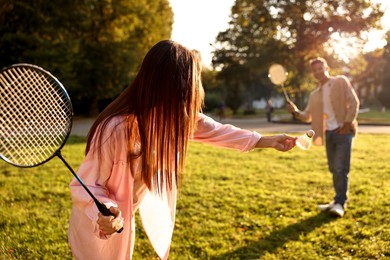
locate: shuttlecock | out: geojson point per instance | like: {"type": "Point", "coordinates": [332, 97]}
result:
{"type": "Point", "coordinates": [304, 141]}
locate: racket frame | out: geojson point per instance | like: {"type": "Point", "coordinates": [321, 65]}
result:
{"type": "Point", "coordinates": [62, 88]}
{"type": "Point", "coordinates": [101, 207]}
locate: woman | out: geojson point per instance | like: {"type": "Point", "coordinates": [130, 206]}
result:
{"type": "Point", "coordinates": [136, 151]}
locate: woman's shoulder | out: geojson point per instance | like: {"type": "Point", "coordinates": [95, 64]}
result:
{"type": "Point", "coordinates": [113, 126]}
{"type": "Point", "coordinates": [119, 122]}
{"type": "Point", "coordinates": [116, 121]}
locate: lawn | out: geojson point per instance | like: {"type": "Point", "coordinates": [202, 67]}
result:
{"type": "Point", "coordinates": [256, 205]}
{"type": "Point", "coordinates": [374, 116]}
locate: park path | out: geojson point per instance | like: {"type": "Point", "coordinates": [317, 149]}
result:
{"type": "Point", "coordinates": [81, 126]}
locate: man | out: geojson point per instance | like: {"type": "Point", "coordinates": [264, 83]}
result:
{"type": "Point", "coordinates": [332, 110]}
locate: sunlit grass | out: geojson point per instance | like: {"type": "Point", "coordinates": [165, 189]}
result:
{"type": "Point", "coordinates": [375, 116]}
{"type": "Point", "coordinates": [232, 205]}
{"type": "Point", "coordinates": [372, 116]}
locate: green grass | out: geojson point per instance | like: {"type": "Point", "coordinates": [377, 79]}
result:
{"type": "Point", "coordinates": [373, 116]}
{"type": "Point", "coordinates": [256, 205]}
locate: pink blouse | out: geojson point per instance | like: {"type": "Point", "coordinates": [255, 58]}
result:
{"type": "Point", "coordinates": [109, 178]}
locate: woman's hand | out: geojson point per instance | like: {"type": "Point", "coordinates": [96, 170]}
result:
{"type": "Point", "coordinates": [108, 225]}
{"type": "Point", "coordinates": [280, 142]}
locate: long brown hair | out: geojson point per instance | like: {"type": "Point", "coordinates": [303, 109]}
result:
{"type": "Point", "coordinates": [161, 106]}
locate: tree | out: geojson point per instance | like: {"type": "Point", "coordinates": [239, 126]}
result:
{"type": "Point", "coordinates": [33, 32]}
{"type": "Point", "coordinates": [289, 32]}
{"type": "Point", "coordinates": [115, 35]}
{"type": "Point", "coordinates": [214, 91]}
{"type": "Point", "coordinates": [93, 46]}
{"type": "Point", "coordinates": [384, 96]}
{"type": "Point", "coordinates": [244, 52]}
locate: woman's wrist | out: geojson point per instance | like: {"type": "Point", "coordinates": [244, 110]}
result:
{"type": "Point", "coordinates": [264, 142]}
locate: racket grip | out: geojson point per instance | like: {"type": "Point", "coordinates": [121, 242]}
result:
{"type": "Point", "coordinates": [101, 207]}
{"type": "Point", "coordinates": [106, 212]}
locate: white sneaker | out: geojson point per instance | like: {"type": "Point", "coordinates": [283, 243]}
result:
{"type": "Point", "coordinates": [337, 210]}
{"type": "Point", "coordinates": [326, 207]}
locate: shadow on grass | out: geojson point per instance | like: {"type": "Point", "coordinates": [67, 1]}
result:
{"type": "Point", "coordinates": [277, 239]}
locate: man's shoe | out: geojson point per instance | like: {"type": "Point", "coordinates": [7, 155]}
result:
{"type": "Point", "coordinates": [326, 207]}
{"type": "Point", "coordinates": [337, 210]}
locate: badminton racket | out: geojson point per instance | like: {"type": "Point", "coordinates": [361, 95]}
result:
{"type": "Point", "coordinates": [278, 75]}
{"type": "Point", "coordinates": [36, 119]}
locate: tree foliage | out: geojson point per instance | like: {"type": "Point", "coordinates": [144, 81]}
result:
{"type": "Point", "coordinates": [215, 93]}
{"type": "Point", "coordinates": [384, 96]}
{"type": "Point", "coordinates": [93, 46]}
{"type": "Point", "coordinates": [287, 32]}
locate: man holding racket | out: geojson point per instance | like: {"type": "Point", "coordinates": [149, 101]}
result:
{"type": "Point", "coordinates": [332, 110]}
{"type": "Point", "coordinates": [136, 151]}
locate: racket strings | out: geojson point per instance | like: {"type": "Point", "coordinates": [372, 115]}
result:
{"type": "Point", "coordinates": [35, 116]}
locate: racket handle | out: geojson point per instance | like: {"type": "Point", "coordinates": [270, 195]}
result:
{"type": "Point", "coordinates": [101, 207]}
{"type": "Point", "coordinates": [106, 212]}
